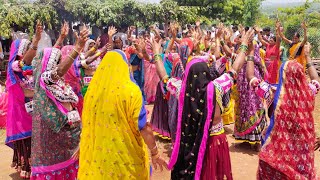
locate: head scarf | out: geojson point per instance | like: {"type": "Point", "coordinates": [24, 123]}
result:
{"type": "Point", "coordinates": [196, 107]}
{"type": "Point", "coordinates": [72, 77]}
{"type": "Point", "coordinates": [290, 137]}
{"type": "Point", "coordinates": [59, 91]}
{"type": "Point", "coordinates": [87, 44]}
{"type": "Point", "coordinates": [18, 48]}
{"type": "Point", "coordinates": [110, 133]}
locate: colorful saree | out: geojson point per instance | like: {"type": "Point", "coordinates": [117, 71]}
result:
{"type": "Point", "coordinates": [193, 156]}
{"type": "Point", "coordinates": [296, 52]}
{"type": "Point", "coordinates": [249, 110]}
{"type": "Point", "coordinates": [19, 121]}
{"type": "Point", "coordinates": [111, 145]}
{"type": "Point", "coordinates": [272, 61]}
{"type": "Point", "coordinates": [139, 73]}
{"type": "Point", "coordinates": [3, 107]}
{"type": "Point", "coordinates": [54, 141]}
{"type": "Point", "coordinates": [288, 150]}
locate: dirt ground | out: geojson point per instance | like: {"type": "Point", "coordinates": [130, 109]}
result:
{"type": "Point", "coordinates": [244, 160]}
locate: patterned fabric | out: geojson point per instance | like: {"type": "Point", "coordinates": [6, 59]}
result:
{"type": "Point", "coordinates": [289, 141]}
{"type": "Point", "coordinates": [139, 73]}
{"type": "Point", "coordinates": [53, 140]}
{"type": "Point", "coordinates": [69, 173]}
{"type": "Point", "coordinates": [217, 164]}
{"type": "Point", "coordinates": [297, 53]}
{"type": "Point", "coordinates": [111, 145]}
{"type": "Point", "coordinates": [151, 81]}
{"type": "Point", "coordinates": [72, 77]}
{"type": "Point", "coordinates": [249, 109]}
{"type": "Point", "coordinates": [267, 172]}
{"type": "Point", "coordinates": [19, 121]}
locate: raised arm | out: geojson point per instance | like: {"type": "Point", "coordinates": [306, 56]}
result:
{"type": "Point", "coordinates": [258, 31]}
{"type": "Point", "coordinates": [64, 66]}
{"type": "Point", "coordinates": [310, 67]}
{"type": "Point", "coordinates": [111, 31]}
{"type": "Point", "coordinates": [31, 53]}
{"type": "Point", "coordinates": [246, 38]}
{"type": "Point", "coordinates": [63, 34]}
{"type": "Point", "coordinates": [278, 38]}
{"type": "Point", "coordinates": [305, 38]}
{"type": "Point", "coordinates": [283, 37]}
{"type": "Point", "coordinates": [161, 71]}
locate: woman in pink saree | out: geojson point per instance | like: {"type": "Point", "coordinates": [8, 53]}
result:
{"type": "Point", "coordinates": [20, 93]}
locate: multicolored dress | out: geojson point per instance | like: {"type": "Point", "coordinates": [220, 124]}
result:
{"type": "Point", "coordinates": [111, 144]}
{"type": "Point", "coordinates": [288, 149]}
{"type": "Point", "coordinates": [250, 113]}
{"type": "Point", "coordinates": [56, 122]}
{"type": "Point", "coordinates": [19, 120]}
{"type": "Point", "coordinates": [296, 52]}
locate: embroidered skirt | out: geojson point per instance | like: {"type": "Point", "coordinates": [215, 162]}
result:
{"type": "Point", "coordinates": [69, 172]}
{"type": "Point", "coordinates": [216, 164]}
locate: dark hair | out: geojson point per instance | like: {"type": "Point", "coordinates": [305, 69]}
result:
{"type": "Point", "coordinates": [266, 29]}
{"type": "Point", "coordinates": [235, 27]}
{"type": "Point", "coordinates": [246, 28]}
{"type": "Point", "coordinates": [297, 34]}
{"type": "Point", "coordinates": [274, 38]}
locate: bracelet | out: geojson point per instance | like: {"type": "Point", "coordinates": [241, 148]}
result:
{"type": "Point", "coordinates": [75, 51]}
{"type": "Point", "coordinates": [84, 64]}
{"type": "Point", "coordinates": [316, 84]}
{"type": "Point", "coordinates": [33, 47]}
{"type": "Point", "coordinates": [250, 58]}
{"type": "Point", "coordinates": [164, 79]}
{"type": "Point", "coordinates": [309, 65]}
{"type": "Point", "coordinates": [157, 57]}
{"type": "Point", "coordinates": [93, 49]}
{"type": "Point", "coordinates": [243, 48]}
{"type": "Point", "coordinates": [21, 64]}
{"type": "Point", "coordinates": [250, 83]}
{"type": "Point", "coordinates": [222, 43]}
{"type": "Point", "coordinates": [82, 56]}
{"type": "Point", "coordinates": [98, 53]}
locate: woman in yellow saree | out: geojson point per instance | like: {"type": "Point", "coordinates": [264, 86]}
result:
{"type": "Point", "coordinates": [296, 51]}
{"type": "Point", "coordinates": [115, 129]}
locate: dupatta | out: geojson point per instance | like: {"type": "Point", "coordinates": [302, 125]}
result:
{"type": "Point", "coordinates": [195, 110]}
{"type": "Point", "coordinates": [289, 139]}
{"type": "Point", "coordinates": [113, 114]}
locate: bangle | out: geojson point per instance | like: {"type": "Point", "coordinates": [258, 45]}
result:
{"type": "Point", "coordinates": [33, 47]}
{"type": "Point", "coordinates": [243, 48]}
{"type": "Point", "coordinates": [84, 64]}
{"type": "Point", "coordinates": [75, 51]}
{"type": "Point", "coordinates": [93, 49]}
{"type": "Point", "coordinates": [82, 56]}
{"type": "Point", "coordinates": [222, 43]}
{"type": "Point", "coordinates": [98, 53]}
{"type": "Point", "coordinates": [71, 58]}
{"type": "Point", "coordinates": [251, 81]}
{"type": "Point", "coordinates": [309, 65]}
{"type": "Point", "coordinates": [21, 64]}
{"type": "Point", "coordinates": [316, 84]}
{"type": "Point", "coordinates": [250, 58]}
{"type": "Point", "coordinates": [157, 57]}
{"type": "Point", "coordinates": [164, 79]}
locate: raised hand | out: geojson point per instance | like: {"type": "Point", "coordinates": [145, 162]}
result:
{"type": "Point", "coordinates": [247, 36]}
{"type": "Point", "coordinates": [64, 30]}
{"type": "Point", "coordinates": [97, 43]}
{"type": "Point", "coordinates": [82, 38]}
{"type": "Point", "coordinates": [112, 31]}
{"type": "Point", "coordinates": [156, 46]}
{"type": "Point", "coordinates": [304, 25]}
{"type": "Point", "coordinates": [39, 30]}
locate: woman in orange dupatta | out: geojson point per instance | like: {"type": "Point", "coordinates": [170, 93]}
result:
{"type": "Point", "coordinates": [296, 46]}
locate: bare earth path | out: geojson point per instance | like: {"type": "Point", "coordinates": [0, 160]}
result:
{"type": "Point", "coordinates": [244, 160]}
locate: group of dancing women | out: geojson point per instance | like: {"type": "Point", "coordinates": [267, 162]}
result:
{"type": "Point", "coordinates": [79, 111]}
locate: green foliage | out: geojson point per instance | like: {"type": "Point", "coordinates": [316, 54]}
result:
{"type": "Point", "coordinates": [251, 11]}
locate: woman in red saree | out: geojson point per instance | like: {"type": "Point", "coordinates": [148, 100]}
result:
{"type": "Point", "coordinates": [288, 150]}
{"type": "Point", "coordinates": [272, 58]}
